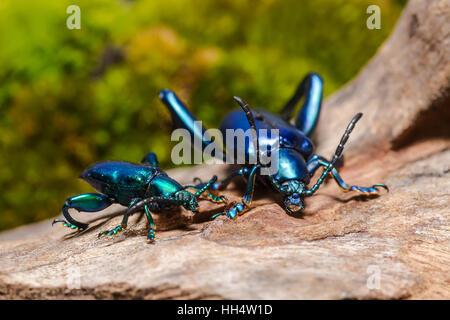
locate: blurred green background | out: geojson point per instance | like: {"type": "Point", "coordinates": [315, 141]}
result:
{"type": "Point", "coordinates": [70, 98]}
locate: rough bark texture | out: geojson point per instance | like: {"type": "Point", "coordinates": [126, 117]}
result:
{"type": "Point", "coordinates": [334, 250]}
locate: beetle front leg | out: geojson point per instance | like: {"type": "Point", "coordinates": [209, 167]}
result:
{"type": "Point", "coordinates": [87, 202]}
{"type": "Point", "coordinates": [317, 161]}
{"type": "Point", "coordinates": [208, 191]}
{"type": "Point", "coordinates": [241, 207]}
{"type": "Point", "coordinates": [219, 186]}
{"type": "Point", "coordinates": [154, 203]}
{"type": "Point", "coordinates": [314, 163]}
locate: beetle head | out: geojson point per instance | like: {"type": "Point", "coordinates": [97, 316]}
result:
{"type": "Point", "coordinates": [292, 191]}
{"type": "Point", "coordinates": [188, 200]}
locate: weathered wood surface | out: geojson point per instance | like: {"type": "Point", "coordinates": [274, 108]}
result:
{"type": "Point", "coordinates": [334, 250]}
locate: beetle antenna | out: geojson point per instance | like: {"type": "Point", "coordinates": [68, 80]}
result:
{"type": "Point", "coordinates": [251, 121]}
{"type": "Point", "coordinates": [337, 154]}
{"type": "Point", "coordinates": [206, 186]}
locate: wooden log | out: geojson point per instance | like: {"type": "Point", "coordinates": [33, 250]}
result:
{"type": "Point", "coordinates": [343, 246]}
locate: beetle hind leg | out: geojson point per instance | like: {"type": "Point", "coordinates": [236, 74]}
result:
{"type": "Point", "coordinates": [311, 88]}
{"type": "Point", "coordinates": [182, 118]}
{"type": "Point", "coordinates": [87, 202]}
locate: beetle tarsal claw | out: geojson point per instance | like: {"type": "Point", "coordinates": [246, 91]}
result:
{"type": "Point", "coordinates": [381, 185]}
{"type": "Point", "coordinates": [66, 224]}
{"type": "Point", "coordinates": [151, 236]}
{"type": "Point", "coordinates": [217, 215]}
{"type": "Point", "coordinates": [114, 232]}
{"type": "Point", "coordinates": [224, 212]}
{"type": "Point", "coordinates": [222, 199]}
{"type": "Point", "coordinates": [214, 198]}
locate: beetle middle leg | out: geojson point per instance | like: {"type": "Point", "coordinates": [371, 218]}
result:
{"type": "Point", "coordinates": [122, 226]}
{"type": "Point", "coordinates": [117, 229]}
{"type": "Point", "coordinates": [317, 161]}
{"type": "Point", "coordinates": [151, 231]}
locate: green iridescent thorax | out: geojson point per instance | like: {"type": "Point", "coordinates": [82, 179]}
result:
{"type": "Point", "coordinates": [163, 185]}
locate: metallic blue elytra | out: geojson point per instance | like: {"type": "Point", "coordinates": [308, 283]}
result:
{"type": "Point", "coordinates": [139, 187]}
{"type": "Point", "coordinates": [290, 136]}
{"type": "Point", "coordinates": [297, 162]}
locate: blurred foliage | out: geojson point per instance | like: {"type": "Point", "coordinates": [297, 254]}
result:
{"type": "Point", "coordinates": [70, 98]}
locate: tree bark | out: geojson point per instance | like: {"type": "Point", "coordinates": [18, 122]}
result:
{"type": "Point", "coordinates": [343, 246]}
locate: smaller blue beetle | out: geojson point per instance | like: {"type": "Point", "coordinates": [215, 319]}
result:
{"type": "Point", "coordinates": [139, 187]}
{"type": "Point", "coordinates": [296, 161]}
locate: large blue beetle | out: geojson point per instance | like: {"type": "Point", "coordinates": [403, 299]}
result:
{"type": "Point", "coordinates": [139, 187]}
{"type": "Point", "coordinates": [296, 161]}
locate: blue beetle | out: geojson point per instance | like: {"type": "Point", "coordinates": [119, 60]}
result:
{"type": "Point", "coordinates": [296, 161]}
{"type": "Point", "coordinates": [139, 187]}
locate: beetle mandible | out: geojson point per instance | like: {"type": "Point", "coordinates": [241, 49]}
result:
{"type": "Point", "coordinates": [139, 187]}
{"type": "Point", "coordinates": [296, 161]}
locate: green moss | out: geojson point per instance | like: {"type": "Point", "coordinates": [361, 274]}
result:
{"type": "Point", "coordinates": [65, 103]}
